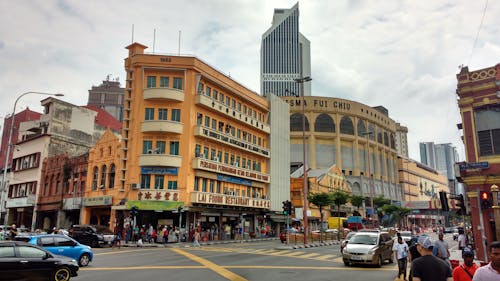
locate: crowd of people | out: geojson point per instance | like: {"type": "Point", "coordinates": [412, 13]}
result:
{"type": "Point", "coordinates": [430, 261]}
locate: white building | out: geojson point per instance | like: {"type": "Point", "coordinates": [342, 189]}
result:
{"type": "Point", "coordinates": [285, 55]}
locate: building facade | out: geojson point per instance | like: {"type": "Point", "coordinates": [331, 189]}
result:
{"type": "Point", "coordinates": [479, 104]}
{"type": "Point", "coordinates": [359, 139]}
{"type": "Point", "coordinates": [196, 147]}
{"type": "Point", "coordinates": [402, 140]}
{"type": "Point", "coordinates": [285, 55]}
{"type": "Point", "coordinates": [108, 96]}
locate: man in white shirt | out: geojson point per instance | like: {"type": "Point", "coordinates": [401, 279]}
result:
{"type": "Point", "coordinates": [491, 271]}
{"type": "Point", "coordinates": [400, 249]}
{"type": "Point", "coordinates": [461, 240]}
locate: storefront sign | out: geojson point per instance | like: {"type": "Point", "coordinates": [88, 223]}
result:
{"type": "Point", "coordinates": [420, 205]}
{"type": "Point", "coordinates": [239, 172]}
{"type": "Point", "coordinates": [98, 201]}
{"type": "Point", "coordinates": [28, 201]}
{"type": "Point", "coordinates": [234, 180]}
{"type": "Point", "coordinates": [154, 205]}
{"type": "Point", "coordinates": [473, 165]}
{"type": "Point", "coordinates": [151, 194]}
{"type": "Point", "coordinates": [231, 200]}
{"type": "Point", "coordinates": [72, 203]}
{"type": "Point", "coordinates": [159, 170]}
{"type": "Point", "coordinates": [320, 103]}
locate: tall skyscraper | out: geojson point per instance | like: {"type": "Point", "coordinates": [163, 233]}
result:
{"type": "Point", "coordinates": [441, 157]}
{"type": "Point", "coordinates": [285, 55]}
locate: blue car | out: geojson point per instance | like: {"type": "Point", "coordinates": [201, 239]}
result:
{"type": "Point", "coordinates": [60, 245]}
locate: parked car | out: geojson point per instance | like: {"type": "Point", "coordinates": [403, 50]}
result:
{"type": "Point", "coordinates": [87, 235]}
{"type": "Point", "coordinates": [346, 240]}
{"type": "Point", "coordinates": [63, 245]}
{"type": "Point", "coordinates": [368, 248]}
{"type": "Point", "coordinates": [406, 235]}
{"type": "Point", "coordinates": [24, 261]}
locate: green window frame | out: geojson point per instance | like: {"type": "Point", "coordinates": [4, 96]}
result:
{"type": "Point", "coordinates": [177, 83]}
{"type": "Point", "coordinates": [174, 148]}
{"type": "Point", "coordinates": [204, 185]}
{"type": "Point", "coordinates": [145, 181]}
{"type": "Point", "coordinates": [149, 113]}
{"type": "Point", "coordinates": [197, 150]}
{"type": "Point", "coordinates": [151, 82]}
{"type": "Point", "coordinates": [164, 81]}
{"type": "Point", "coordinates": [211, 186]}
{"type": "Point", "coordinates": [146, 145]}
{"type": "Point", "coordinates": [172, 185]}
{"type": "Point", "coordinates": [160, 147]}
{"type": "Point", "coordinates": [162, 114]}
{"type": "Point", "coordinates": [176, 115]}
{"type": "Point", "coordinates": [159, 181]}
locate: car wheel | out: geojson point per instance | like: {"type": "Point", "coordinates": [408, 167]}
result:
{"type": "Point", "coordinates": [379, 261]}
{"type": "Point", "coordinates": [94, 244]}
{"type": "Point", "coordinates": [346, 263]}
{"type": "Point", "coordinates": [84, 260]}
{"type": "Point", "coordinates": [61, 274]}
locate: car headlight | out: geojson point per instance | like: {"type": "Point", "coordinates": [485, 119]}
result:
{"type": "Point", "coordinates": [372, 251]}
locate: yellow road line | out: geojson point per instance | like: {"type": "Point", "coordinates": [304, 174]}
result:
{"type": "Point", "coordinates": [127, 251]}
{"type": "Point", "coordinates": [144, 267]}
{"type": "Point", "coordinates": [294, 254]}
{"type": "Point", "coordinates": [231, 267]}
{"type": "Point", "coordinates": [325, 257]}
{"type": "Point", "coordinates": [310, 255]}
{"type": "Point", "coordinates": [216, 268]}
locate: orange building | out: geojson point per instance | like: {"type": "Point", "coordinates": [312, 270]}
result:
{"type": "Point", "coordinates": [195, 149]}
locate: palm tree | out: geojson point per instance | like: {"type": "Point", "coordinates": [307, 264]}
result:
{"type": "Point", "coordinates": [339, 198]}
{"type": "Point", "coordinates": [320, 200]}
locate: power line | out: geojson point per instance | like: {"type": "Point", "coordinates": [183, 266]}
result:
{"type": "Point", "coordinates": [478, 30]}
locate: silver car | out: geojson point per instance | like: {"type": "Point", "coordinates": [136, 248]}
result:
{"type": "Point", "coordinates": [368, 248]}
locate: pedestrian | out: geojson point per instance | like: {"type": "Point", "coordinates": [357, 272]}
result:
{"type": "Point", "coordinates": [413, 254]}
{"type": "Point", "coordinates": [117, 240]}
{"type": "Point", "coordinates": [441, 249]}
{"type": "Point", "coordinates": [491, 271]}
{"type": "Point", "coordinates": [461, 239]}
{"type": "Point", "coordinates": [400, 250]}
{"type": "Point", "coordinates": [196, 238]}
{"type": "Point", "coordinates": [465, 271]}
{"type": "Point", "coordinates": [13, 232]}
{"type": "Point", "coordinates": [429, 267]}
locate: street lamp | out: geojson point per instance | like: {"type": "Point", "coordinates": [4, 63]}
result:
{"type": "Point", "coordinates": [9, 141]}
{"type": "Point", "coordinates": [370, 183]}
{"type": "Point", "coordinates": [496, 208]}
{"type": "Point", "coordinates": [301, 81]}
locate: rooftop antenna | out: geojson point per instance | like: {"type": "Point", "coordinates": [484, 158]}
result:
{"type": "Point", "coordinates": [179, 48]}
{"type": "Point", "coordinates": [132, 33]}
{"type": "Point", "coordinates": [154, 39]}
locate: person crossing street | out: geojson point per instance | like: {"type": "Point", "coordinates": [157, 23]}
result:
{"type": "Point", "coordinates": [400, 250]}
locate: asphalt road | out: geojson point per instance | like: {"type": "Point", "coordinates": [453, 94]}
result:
{"type": "Point", "coordinates": [240, 261]}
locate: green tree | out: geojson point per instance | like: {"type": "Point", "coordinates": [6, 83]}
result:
{"type": "Point", "coordinates": [379, 202]}
{"type": "Point", "coordinates": [339, 198]}
{"type": "Point", "coordinates": [320, 200]}
{"type": "Point", "coordinates": [357, 200]}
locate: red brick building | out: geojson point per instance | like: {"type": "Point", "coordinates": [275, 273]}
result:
{"type": "Point", "coordinates": [479, 102]}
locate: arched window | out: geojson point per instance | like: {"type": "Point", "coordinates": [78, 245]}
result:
{"type": "Point", "coordinates": [361, 128]}
{"type": "Point", "coordinates": [371, 130]}
{"type": "Point", "coordinates": [393, 143]}
{"type": "Point", "coordinates": [296, 123]}
{"type": "Point", "coordinates": [324, 123]}
{"type": "Point", "coordinates": [103, 176]}
{"type": "Point", "coordinates": [95, 176]}
{"type": "Point", "coordinates": [346, 126]}
{"type": "Point", "coordinates": [112, 173]}
{"type": "Point", "coordinates": [386, 139]}
{"type": "Point", "coordinates": [380, 138]}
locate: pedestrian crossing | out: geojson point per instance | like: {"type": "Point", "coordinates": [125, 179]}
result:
{"type": "Point", "coordinates": [273, 252]}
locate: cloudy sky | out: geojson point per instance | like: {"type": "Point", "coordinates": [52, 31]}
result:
{"type": "Point", "coordinates": [403, 55]}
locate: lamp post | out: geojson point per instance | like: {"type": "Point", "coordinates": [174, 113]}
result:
{"type": "Point", "coordinates": [301, 81]}
{"type": "Point", "coordinates": [496, 209]}
{"type": "Point", "coordinates": [9, 143]}
{"type": "Point", "coordinates": [370, 183]}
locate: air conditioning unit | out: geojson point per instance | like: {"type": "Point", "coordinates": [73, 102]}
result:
{"type": "Point", "coordinates": [236, 164]}
{"type": "Point", "coordinates": [134, 185]}
{"type": "Point", "coordinates": [216, 159]}
{"type": "Point", "coordinates": [150, 151]}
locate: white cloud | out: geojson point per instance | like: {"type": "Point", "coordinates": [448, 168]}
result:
{"type": "Point", "coordinates": [403, 55]}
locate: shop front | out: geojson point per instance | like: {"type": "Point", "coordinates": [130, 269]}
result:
{"type": "Point", "coordinates": [97, 210]}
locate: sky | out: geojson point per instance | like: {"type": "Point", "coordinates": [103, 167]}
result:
{"type": "Point", "coordinates": [403, 55]}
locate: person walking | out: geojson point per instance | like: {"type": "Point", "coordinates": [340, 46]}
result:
{"type": "Point", "coordinates": [413, 253]}
{"type": "Point", "coordinates": [491, 271]}
{"type": "Point", "coordinates": [461, 239]}
{"type": "Point", "coordinates": [465, 271]}
{"type": "Point", "coordinates": [429, 267]}
{"type": "Point", "coordinates": [400, 250]}
{"type": "Point", "coordinates": [196, 238]}
{"type": "Point", "coordinates": [441, 249]}
{"type": "Point", "coordinates": [13, 232]}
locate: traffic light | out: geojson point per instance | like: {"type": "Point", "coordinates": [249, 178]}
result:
{"type": "Point", "coordinates": [134, 211]}
{"type": "Point", "coordinates": [444, 201]}
{"type": "Point", "coordinates": [285, 207]}
{"type": "Point", "coordinates": [462, 211]}
{"type": "Point", "coordinates": [289, 206]}
{"type": "Point", "coordinates": [486, 200]}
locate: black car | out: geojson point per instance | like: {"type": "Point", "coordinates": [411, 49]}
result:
{"type": "Point", "coordinates": [87, 235]}
{"type": "Point", "coordinates": [23, 261]}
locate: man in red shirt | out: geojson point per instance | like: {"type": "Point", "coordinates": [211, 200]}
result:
{"type": "Point", "coordinates": [465, 271]}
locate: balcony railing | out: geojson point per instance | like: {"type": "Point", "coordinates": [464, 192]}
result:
{"type": "Point", "coordinates": [229, 200]}
{"type": "Point", "coordinates": [161, 160]}
{"type": "Point", "coordinates": [163, 93]}
{"type": "Point", "coordinates": [162, 126]}
{"type": "Point", "coordinates": [221, 168]}
{"type": "Point", "coordinates": [230, 140]}
{"type": "Point", "coordinates": [232, 113]}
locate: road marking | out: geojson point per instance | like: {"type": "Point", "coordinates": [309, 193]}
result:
{"type": "Point", "coordinates": [294, 254]}
{"type": "Point", "coordinates": [144, 267]}
{"type": "Point", "coordinates": [216, 268]}
{"type": "Point", "coordinates": [120, 252]}
{"type": "Point", "coordinates": [310, 255]}
{"type": "Point", "coordinates": [325, 257]}
{"type": "Point", "coordinates": [230, 267]}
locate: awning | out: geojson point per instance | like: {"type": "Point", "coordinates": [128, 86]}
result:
{"type": "Point", "coordinates": [144, 205]}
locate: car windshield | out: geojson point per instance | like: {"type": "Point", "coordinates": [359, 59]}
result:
{"type": "Point", "coordinates": [363, 239]}
{"type": "Point", "coordinates": [406, 234]}
{"type": "Point", "coordinates": [349, 235]}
